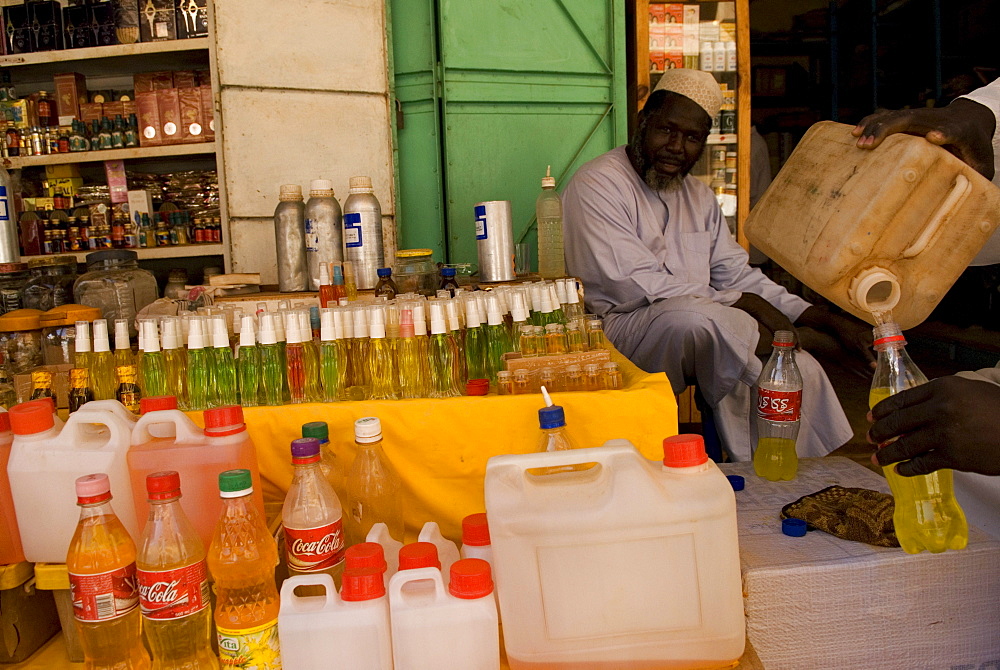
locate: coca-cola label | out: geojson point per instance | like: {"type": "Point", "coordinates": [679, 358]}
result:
{"type": "Point", "coordinates": [314, 549]}
{"type": "Point", "coordinates": [778, 405]}
{"type": "Point", "coordinates": [104, 596]}
{"type": "Point", "coordinates": [172, 594]}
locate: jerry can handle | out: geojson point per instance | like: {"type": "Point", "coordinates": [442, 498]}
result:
{"type": "Point", "coordinates": [959, 192]}
{"type": "Point", "coordinates": [514, 468]}
{"type": "Point", "coordinates": [117, 431]}
{"type": "Point", "coordinates": [404, 577]}
{"type": "Point", "coordinates": [185, 430]}
{"type": "Point", "coordinates": [288, 596]}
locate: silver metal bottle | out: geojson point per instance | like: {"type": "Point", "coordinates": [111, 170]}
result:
{"type": "Point", "coordinates": [363, 232]}
{"type": "Point", "coordinates": [290, 239]}
{"type": "Point", "coordinates": [9, 252]}
{"type": "Point", "coordinates": [324, 238]}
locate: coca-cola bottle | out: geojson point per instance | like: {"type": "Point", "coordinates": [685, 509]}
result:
{"type": "Point", "coordinates": [311, 515]}
{"type": "Point", "coordinates": [173, 581]}
{"type": "Point", "coordinates": [779, 401]}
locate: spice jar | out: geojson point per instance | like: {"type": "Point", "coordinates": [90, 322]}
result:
{"type": "Point", "coordinates": [59, 331]}
{"type": "Point", "coordinates": [13, 276]}
{"type": "Point", "coordinates": [21, 339]}
{"type": "Point", "coordinates": [116, 285]}
{"type": "Point", "coordinates": [50, 282]}
{"type": "Point", "coordinates": [415, 272]}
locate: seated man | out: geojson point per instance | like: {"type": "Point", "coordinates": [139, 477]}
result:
{"type": "Point", "coordinates": [676, 292]}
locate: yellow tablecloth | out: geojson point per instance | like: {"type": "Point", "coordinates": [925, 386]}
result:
{"type": "Point", "coordinates": [440, 447]}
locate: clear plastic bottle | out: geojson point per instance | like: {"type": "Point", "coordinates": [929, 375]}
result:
{"type": "Point", "coordinates": [152, 365]}
{"type": "Point", "coordinates": [272, 379]}
{"type": "Point", "coordinates": [242, 559]}
{"type": "Point", "coordinates": [552, 423]}
{"type": "Point", "coordinates": [175, 361]}
{"type": "Point", "coordinates": [102, 364]}
{"type": "Point", "coordinates": [173, 581]}
{"type": "Point", "coordinates": [102, 575]}
{"type": "Point", "coordinates": [779, 401]}
{"type": "Point", "coordinates": [412, 370]}
{"type": "Point", "coordinates": [332, 469]}
{"type": "Point", "coordinates": [312, 516]}
{"type": "Point", "coordinates": [330, 370]}
{"type": "Point", "coordinates": [381, 361]}
{"type": "Point", "coordinates": [927, 516]}
{"type": "Point", "coordinates": [549, 213]}
{"type": "Point", "coordinates": [223, 366]}
{"type": "Point", "coordinates": [373, 488]}
{"type": "Point", "coordinates": [248, 364]}
{"type": "Point", "coordinates": [442, 363]}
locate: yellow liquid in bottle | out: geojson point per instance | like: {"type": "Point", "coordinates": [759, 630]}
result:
{"type": "Point", "coordinates": [927, 516]}
{"type": "Point", "coordinates": [775, 459]}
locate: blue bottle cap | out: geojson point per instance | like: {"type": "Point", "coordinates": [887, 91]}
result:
{"type": "Point", "coordinates": [384, 272]}
{"type": "Point", "coordinates": [793, 527]}
{"type": "Point", "coordinates": [551, 417]}
{"type": "Point", "coordinates": [447, 272]}
{"type": "Point", "coordinates": [736, 482]}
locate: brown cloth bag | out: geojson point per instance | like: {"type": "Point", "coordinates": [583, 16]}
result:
{"type": "Point", "coordinates": [860, 515]}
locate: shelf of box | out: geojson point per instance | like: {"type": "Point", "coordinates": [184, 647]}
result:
{"type": "Point", "coordinates": [111, 155]}
{"type": "Point", "coordinates": [183, 251]}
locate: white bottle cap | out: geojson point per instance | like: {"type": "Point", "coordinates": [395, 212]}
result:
{"type": "Point", "coordinates": [292, 335]}
{"type": "Point", "coordinates": [324, 275]}
{"type": "Point", "coordinates": [451, 307]}
{"type": "Point", "coordinates": [572, 295]}
{"type": "Point", "coordinates": [247, 338]}
{"type": "Point", "coordinates": [185, 326]}
{"type": "Point", "coordinates": [419, 320]}
{"type": "Point", "coordinates": [560, 290]}
{"type": "Point", "coordinates": [326, 326]}
{"type": "Point", "coordinates": [518, 312]}
{"type": "Point", "coordinates": [279, 325]}
{"type": "Point", "coordinates": [544, 300]}
{"type": "Point", "coordinates": [377, 327]}
{"type": "Point", "coordinates": [290, 192]}
{"type": "Point", "coordinates": [196, 335]}
{"type": "Point", "coordinates": [361, 185]}
{"type": "Point", "coordinates": [360, 323]}
{"type": "Point", "coordinates": [101, 343]}
{"type": "Point", "coordinates": [535, 291]}
{"type": "Point", "coordinates": [367, 430]}
{"type": "Point", "coordinates": [438, 325]}
{"type": "Point", "coordinates": [305, 326]}
{"type": "Point", "coordinates": [472, 316]}
{"type": "Point", "coordinates": [502, 300]}
{"type": "Point", "coordinates": [554, 298]}
{"type": "Point", "coordinates": [81, 342]}
{"type": "Point", "coordinates": [321, 187]}
{"type": "Point", "coordinates": [548, 181]}
{"type": "Point", "coordinates": [220, 334]}
{"type": "Point", "coordinates": [284, 305]}
{"type": "Point", "coordinates": [338, 323]}
{"type": "Point", "coordinates": [494, 317]}
{"type": "Point", "coordinates": [121, 334]}
{"type": "Point", "coordinates": [347, 322]}
{"type": "Point", "coordinates": [140, 338]}
{"type": "Point", "coordinates": [237, 320]}
{"type": "Point", "coordinates": [267, 334]}
{"type": "Point", "coordinates": [150, 336]}
{"type": "Point", "coordinates": [343, 302]}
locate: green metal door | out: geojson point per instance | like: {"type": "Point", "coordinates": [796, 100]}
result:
{"type": "Point", "coordinates": [490, 93]}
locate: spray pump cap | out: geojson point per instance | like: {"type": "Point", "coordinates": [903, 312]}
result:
{"type": "Point", "coordinates": [360, 322]}
{"type": "Point", "coordinates": [220, 335]}
{"type": "Point", "coordinates": [279, 324]}
{"type": "Point", "coordinates": [406, 323]}
{"type": "Point", "coordinates": [473, 319]}
{"type": "Point", "coordinates": [518, 311]}
{"type": "Point", "coordinates": [289, 192]}
{"type": "Point", "coordinates": [267, 334]}
{"type": "Point", "coordinates": [548, 181]}
{"type": "Point", "coordinates": [324, 275]}
{"type": "Point", "coordinates": [361, 184]}
{"type": "Point", "coordinates": [82, 340]}
{"type": "Point", "coordinates": [326, 327]}
{"type": "Point", "coordinates": [438, 325]}
{"type": "Point", "coordinates": [572, 297]}
{"type": "Point", "coordinates": [121, 334]}
{"type": "Point", "coordinates": [560, 291]}
{"type": "Point", "coordinates": [338, 324]}
{"type": "Point", "coordinates": [494, 317]}
{"type": "Point", "coordinates": [247, 338]}
{"type": "Point", "coordinates": [376, 329]}
{"type": "Point", "coordinates": [150, 336]}
{"type": "Point", "coordinates": [554, 297]}
{"type": "Point", "coordinates": [196, 336]}
{"type": "Point", "coordinates": [451, 308]}
{"type": "Point", "coordinates": [292, 334]}
{"type": "Point", "coordinates": [101, 343]}
{"type": "Point", "coordinates": [419, 320]}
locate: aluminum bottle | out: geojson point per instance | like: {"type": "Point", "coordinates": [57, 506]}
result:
{"type": "Point", "coordinates": [9, 252]}
{"type": "Point", "coordinates": [290, 234]}
{"type": "Point", "coordinates": [363, 232]}
{"type": "Point", "coordinates": [324, 239]}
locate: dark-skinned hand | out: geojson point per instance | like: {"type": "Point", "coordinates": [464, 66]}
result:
{"type": "Point", "coordinates": [854, 335]}
{"type": "Point", "coordinates": [965, 128]}
{"type": "Point", "coordinates": [769, 320]}
{"type": "Point", "coordinates": [949, 422]}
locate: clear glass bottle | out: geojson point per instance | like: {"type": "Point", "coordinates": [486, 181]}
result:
{"type": "Point", "coordinates": [385, 286]}
{"type": "Point", "coordinates": [555, 339]}
{"type": "Point", "coordinates": [596, 336]}
{"type": "Point", "coordinates": [373, 488]}
{"type": "Point", "coordinates": [612, 376]}
{"type": "Point", "coordinates": [115, 284]}
{"type": "Point", "coordinates": [79, 388]}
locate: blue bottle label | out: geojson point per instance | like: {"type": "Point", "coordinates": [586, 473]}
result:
{"type": "Point", "coordinates": [312, 237]}
{"type": "Point", "coordinates": [481, 229]}
{"type": "Point", "coordinates": [352, 230]}
{"type": "Point", "coordinates": [4, 213]}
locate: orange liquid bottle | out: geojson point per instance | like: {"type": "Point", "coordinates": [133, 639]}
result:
{"type": "Point", "coordinates": [102, 577]}
{"type": "Point", "coordinates": [242, 559]}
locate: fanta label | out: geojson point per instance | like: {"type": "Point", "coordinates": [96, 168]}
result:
{"type": "Point", "coordinates": [104, 596]}
{"type": "Point", "coordinates": [314, 549]}
{"type": "Point", "coordinates": [172, 594]}
{"type": "Point", "coordinates": [251, 648]}
{"type": "Point", "coordinates": [779, 405]}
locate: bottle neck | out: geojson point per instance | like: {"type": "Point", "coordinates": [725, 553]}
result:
{"type": "Point", "coordinates": [98, 509]}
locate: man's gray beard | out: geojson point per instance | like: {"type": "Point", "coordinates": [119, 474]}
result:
{"type": "Point", "coordinates": [658, 182]}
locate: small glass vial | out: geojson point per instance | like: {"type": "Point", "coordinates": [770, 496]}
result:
{"type": "Point", "coordinates": [41, 384]}
{"type": "Point", "coordinates": [555, 339]}
{"type": "Point", "coordinates": [612, 377]}
{"type": "Point", "coordinates": [547, 377]}
{"type": "Point", "coordinates": [595, 333]}
{"type": "Point", "coordinates": [521, 383]}
{"type": "Point", "coordinates": [505, 383]}
{"type": "Point", "coordinates": [575, 337]}
{"type": "Point", "coordinates": [592, 377]}
{"type": "Point", "coordinates": [527, 341]}
{"type": "Point", "coordinates": [574, 378]}
{"type": "Point", "coordinates": [127, 392]}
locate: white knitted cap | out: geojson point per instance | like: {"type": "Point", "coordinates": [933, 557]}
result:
{"type": "Point", "coordinates": [697, 85]}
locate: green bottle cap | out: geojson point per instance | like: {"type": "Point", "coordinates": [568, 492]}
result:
{"type": "Point", "coordinates": [318, 429]}
{"type": "Point", "coordinates": [235, 483]}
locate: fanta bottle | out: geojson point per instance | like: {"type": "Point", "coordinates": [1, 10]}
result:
{"type": "Point", "coordinates": [173, 582]}
{"type": "Point", "coordinates": [242, 559]}
{"type": "Point", "coordinates": [102, 580]}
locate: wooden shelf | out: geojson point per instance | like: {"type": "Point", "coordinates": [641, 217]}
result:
{"type": "Point", "coordinates": [111, 155]}
{"type": "Point", "coordinates": [182, 251]}
{"type": "Point", "coordinates": [100, 53]}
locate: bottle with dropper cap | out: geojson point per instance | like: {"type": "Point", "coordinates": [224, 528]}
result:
{"type": "Point", "coordinates": [248, 364]}
{"type": "Point", "coordinates": [272, 379]}
{"type": "Point", "coordinates": [102, 369]}
{"type": "Point", "coordinates": [224, 365]}
{"type": "Point", "coordinates": [199, 380]}
{"type": "Point", "coordinates": [552, 423]}
{"type": "Point", "coordinates": [152, 366]}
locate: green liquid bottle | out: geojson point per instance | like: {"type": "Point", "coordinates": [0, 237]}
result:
{"type": "Point", "coordinates": [272, 379]}
{"type": "Point", "coordinates": [518, 318]}
{"type": "Point", "coordinates": [381, 362]}
{"type": "Point", "coordinates": [442, 365]}
{"type": "Point", "coordinates": [248, 365]}
{"type": "Point", "coordinates": [102, 368]}
{"type": "Point", "coordinates": [412, 383]}
{"type": "Point", "coordinates": [457, 337]}
{"type": "Point", "coordinates": [199, 373]}
{"type": "Point", "coordinates": [360, 387]}
{"type": "Point", "coordinates": [475, 341]}
{"type": "Point", "coordinates": [557, 315]}
{"type": "Point", "coordinates": [497, 341]}
{"type": "Point", "coordinates": [224, 366]}
{"type": "Point", "coordinates": [175, 361]}
{"type": "Point", "coordinates": [310, 360]}
{"type": "Point", "coordinates": [152, 366]}
{"type": "Point", "coordinates": [279, 331]}
{"type": "Point", "coordinates": [329, 355]}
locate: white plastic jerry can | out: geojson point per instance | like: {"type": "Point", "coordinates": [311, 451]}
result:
{"type": "Point", "coordinates": [606, 560]}
{"type": "Point", "coordinates": [455, 629]}
{"type": "Point", "coordinates": [350, 630]}
{"type": "Point", "coordinates": [380, 535]}
{"type": "Point", "coordinates": [447, 550]}
{"type": "Point", "coordinates": [45, 463]}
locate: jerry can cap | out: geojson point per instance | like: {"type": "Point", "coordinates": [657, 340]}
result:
{"type": "Point", "coordinates": [362, 584]}
{"type": "Point", "coordinates": [365, 555]}
{"type": "Point", "coordinates": [684, 451]}
{"type": "Point", "coordinates": [157, 403]}
{"type": "Point", "coordinates": [470, 579]}
{"type": "Point", "coordinates": [32, 417]}
{"type": "Point", "coordinates": [418, 555]}
{"type": "Point", "coordinates": [476, 530]}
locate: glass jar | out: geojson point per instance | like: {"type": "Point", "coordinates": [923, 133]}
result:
{"type": "Point", "coordinates": [12, 279]}
{"type": "Point", "coordinates": [176, 282]}
{"type": "Point", "coordinates": [21, 339]}
{"type": "Point", "coordinates": [50, 282]}
{"type": "Point", "coordinates": [415, 271]}
{"type": "Point", "coordinates": [116, 285]}
{"type": "Point", "coordinates": [59, 331]}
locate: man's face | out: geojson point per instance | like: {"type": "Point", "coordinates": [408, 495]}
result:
{"type": "Point", "coordinates": [669, 142]}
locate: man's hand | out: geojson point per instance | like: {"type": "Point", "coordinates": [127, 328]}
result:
{"type": "Point", "coordinates": [947, 423]}
{"type": "Point", "coordinates": [965, 128]}
{"type": "Point", "coordinates": [769, 319]}
{"type": "Point", "coordinates": [854, 335]}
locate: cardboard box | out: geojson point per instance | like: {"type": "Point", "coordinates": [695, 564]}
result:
{"type": "Point", "coordinates": [64, 186]}
{"type": "Point", "coordinates": [102, 23]}
{"type": "Point", "coordinates": [192, 123]}
{"type": "Point", "coordinates": [32, 234]}
{"type": "Point", "coordinates": [657, 13]}
{"type": "Point", "coordinates": [71, 92]}
{"type": "Point", "coordinates": [184, 79]}
{"type": "Point", "coordinates": [77, 27]}
{"type": "Point", "coordinates": [114, 171]}
{"type": "Point", "coordinates": [822, 602]}
{"type": "Point", "coordinates": [150, 134]}
{"type": "Point", "coordinates": [129, 108]}
{"type": "Point", "coordinates": [46, 25]}
{"type": "Point", "coordinates": [139, 203]}
{"type": "Point", "coordinates": [15, 111]}
{"type": "Point", "coordinates": [673, 13]}
{"type": "Point", "coordinates": [208, 112]}
{"type": "Point", "coordinates": [113, 109]}
{"type": "Point", "coordinates": [142, 82]}
{"type": "Point", "coordinates": [60, 383]}
{"type": "Point", "coordinates": [157, 21]}
{"type": "Point", "coordinates": [71, 171]}
{"type": "Point", "coordinates": [168, 103]}
{"type": "Point", "coordinates": [192, 19]}
{"type": "Point", "coordinates": [17, 27]}
{"type": "Point", "coordinates": [91, 111]}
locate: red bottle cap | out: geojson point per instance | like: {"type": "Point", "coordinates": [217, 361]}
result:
{"type": "Point", "coordinates": [157, 403]}
{"type": "Point", "coordinates": [32, 417]}
{"type": "Point", "coordinates": [92, 489]}
{"type": "Point", "coordinates": [5, 422]}
{"type": "Point", "coordinates": [362, 584]}
{"type": "Point", "coordinates": [475, 530]}
{"type": "Point", "coordinates": [470, 579]}
{"type": "Point", "coordinates": [163, 485]}
{"type": "Point", "coordinates": [684, 451]}
{"type": "Point", "coordinates": [418, 555]}
{"type": "Point", "coordinates": [477, 387]}
{"type": "Point", "coordinates": [223, 421]}
{"type": "Point", "coordinates": [365, 555]}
